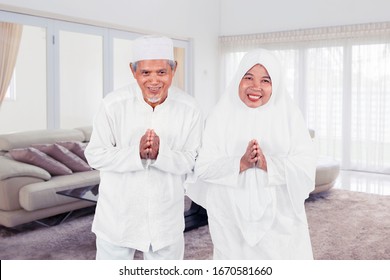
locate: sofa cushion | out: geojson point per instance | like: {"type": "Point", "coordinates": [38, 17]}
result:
{"type": "Point", "coordinates": [35, 157]}
{"type": "Point", "coordinates": [65, 156]}
{"type": "Point", "coordinates": [75, 147]}
{"type": "Point", "coordinates": [11, 168]}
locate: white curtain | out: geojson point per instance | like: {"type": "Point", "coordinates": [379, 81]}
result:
{"type": "Point", "coordinates": [10, 35]}
{"type": "Point", "coordinates": [340, 78]}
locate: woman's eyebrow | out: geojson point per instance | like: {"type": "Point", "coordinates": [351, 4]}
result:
{"type": "Point", "coordinates": [248, 73]}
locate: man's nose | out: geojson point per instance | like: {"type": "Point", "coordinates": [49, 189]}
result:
{"type": "Point", "coordinates": [153, 77]}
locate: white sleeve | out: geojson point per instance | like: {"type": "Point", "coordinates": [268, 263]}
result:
{"type": "Point", "coordinates": [275, 170]}
{"type": "Point", "coordinates": [102, 152]}
{"type": "Point", "coordinates": [300, 166]}
{"type": "Point", "coordinates": [221, 171]}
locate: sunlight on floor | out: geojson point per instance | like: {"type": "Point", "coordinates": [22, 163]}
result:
{"type": "Point", "coordinates": [364, 182]}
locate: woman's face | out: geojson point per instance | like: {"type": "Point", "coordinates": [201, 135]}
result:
{"type": "Point", "coordinates": [255, 88]}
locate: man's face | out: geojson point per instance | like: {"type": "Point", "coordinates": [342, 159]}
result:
{"type": "Point", "coordinates": [154, 77]}
{"type": "Point", "coordinates": [255, 87]}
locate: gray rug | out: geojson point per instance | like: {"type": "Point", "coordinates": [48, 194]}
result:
{"type": "Point", "coordinates": [347, 225]}
{"type": "Point", "coordinates": [343, 225]}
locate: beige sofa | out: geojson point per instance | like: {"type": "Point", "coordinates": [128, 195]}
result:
{"type": "Point", "coordinates": [28, 192]}
{"type": "Point", "coordinates": [327, 172]}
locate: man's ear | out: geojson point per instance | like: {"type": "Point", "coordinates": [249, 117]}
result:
{"type": "Point", "coordinates": [131, 68]}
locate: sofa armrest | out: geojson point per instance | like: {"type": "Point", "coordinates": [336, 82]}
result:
{"type": "Point", "coordinates": [11, 168]}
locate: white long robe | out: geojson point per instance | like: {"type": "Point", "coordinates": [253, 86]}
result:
{"type": "Point", "coordinates": [256, 214]}
{"type": "Point", "coordinates": [141, 201]}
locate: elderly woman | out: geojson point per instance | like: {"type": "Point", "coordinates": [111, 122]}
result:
{"type": "Point", "coordinates": [256, 167]}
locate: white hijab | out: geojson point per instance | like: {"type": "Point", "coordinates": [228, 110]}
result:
{"type": "Point", "coordinates": [281, 132]}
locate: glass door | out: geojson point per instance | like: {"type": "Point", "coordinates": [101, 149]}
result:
{"type": "Point", "coordinates": [80, 75]}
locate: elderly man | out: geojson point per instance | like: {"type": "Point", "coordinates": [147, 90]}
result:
{"type": "Point", "coordinates": [144, 142]}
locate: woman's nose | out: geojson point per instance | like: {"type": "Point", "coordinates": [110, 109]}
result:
{"type": "Point", "coordinates": [257, 84]}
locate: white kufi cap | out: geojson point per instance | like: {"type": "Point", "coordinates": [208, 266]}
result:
{"type": "Point", "coordinates": [152, 47]}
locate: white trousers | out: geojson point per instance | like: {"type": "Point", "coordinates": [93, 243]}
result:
{"type": "Point", "coordinates": [108, 251]}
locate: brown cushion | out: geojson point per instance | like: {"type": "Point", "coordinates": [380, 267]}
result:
{"type": "Point", "coordinates": [35, 157]}
{"type": "Point", "coordinates": [63, 155]}
{"type": "Point", "coordinates": [75, 147]}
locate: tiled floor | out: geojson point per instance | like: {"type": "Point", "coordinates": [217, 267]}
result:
{"type": "Point", "coordinates": [364, 182]}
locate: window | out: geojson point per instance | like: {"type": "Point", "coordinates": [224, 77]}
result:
{"type": "Point", "coordinates": [28, 87]}
{"type": "Point", "coordinates": [80, 84]}
{"type": "Point", "coordinates": [370, 103]}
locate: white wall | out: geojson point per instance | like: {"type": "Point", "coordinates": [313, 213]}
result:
{"type": "Point", "coordinates": [179, 19]}
{"type": "Point", "coordinates": [259, 16]}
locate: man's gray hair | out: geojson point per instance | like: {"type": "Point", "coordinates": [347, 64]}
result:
{"type": "Point", "coordinates": [170, 62]}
